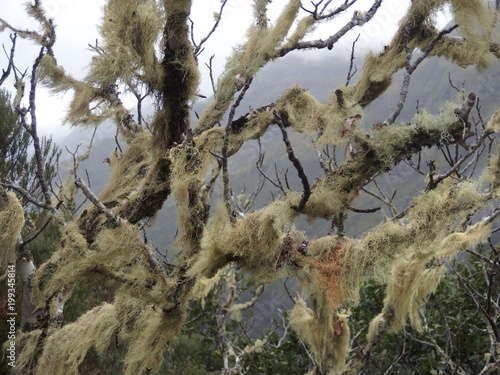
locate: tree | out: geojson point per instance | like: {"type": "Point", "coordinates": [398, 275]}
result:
{"type": "Point", "coordinates": [147, 49]}
{"type": "Point", "coordinates": [16, 165]}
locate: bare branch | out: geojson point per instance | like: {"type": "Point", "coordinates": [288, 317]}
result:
{"type": "Point", "coordinates": [26, 195]}
{"type": "Point", "coordinates": [436, 180]}
{"type": "Point", "coordinates": [410, 68]}
{"type": "Point", "coordinates": [357, 19]}
{"type": "Point", "coordinates": [445, 357]}
{"type": "Point", "coordinates": [211, 73]}
{"type": "Point", "coordinates": [296, 163]}
{"type": "Point", "coordinates": [10, 66]}
{"type": "Point", "coordinates": [31, 128]}
{"type": "Point", "coordinates": [198, 47]}
{"type": "Point", "coordinates": [127, 121]}
{"type": "Point", "coordinates": [225, 173]}
{"type": "Point", "coordinates": [36, 234]}
{"type": "Point", "coordinates": [93, 198]}
{"type": "Point", "coordinates": [321, 15]}
{"type": "Point", "coordinates": [351, 73]}
{"type": "Point", "coordinates": [364, 211]}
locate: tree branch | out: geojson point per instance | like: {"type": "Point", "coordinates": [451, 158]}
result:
{"type": "Point", "coordinates": [225, 173]}
{"type": "Point", "coordinates": [92, 197]}
{"type": "Point", "coordinates": [410, 68]}
{"type": "Point", "coordinates": [356, 20]}
{"type": "Point", "coordinates": [296, 163]}
{"type": "Point", "coordinates": [10, 66]}
{"type": "Point", "coordinates": [198, 47]}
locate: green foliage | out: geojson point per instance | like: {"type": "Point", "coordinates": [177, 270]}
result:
{"type": "Point", "coordinates": [15, 161]}
{"type": "Point", "coordinates": [453, 320]}
{"type": "Point", "coordinates": [45, 243]}
{"type": "Point", "coordinates": [14, 141]}
{"type": "Point", "coordinates": [198, 349]}
{"type": "Point", "coordinates": [289, 358]}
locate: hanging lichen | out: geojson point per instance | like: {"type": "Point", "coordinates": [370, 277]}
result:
{"type": "Point", "coordinates": [130, 31]}
{"type": "Point", "coordinates": [320, 273]}
{"type": "Point", "coordinates": [66, 348]}
{"type": "Point", "coordinates": [62, 269]}
{"type": "Point", "coordinates": [248, 59]}
{"type": "Point", "coordinates": [254, 241]}
{"type": "Point", "coordinates": [204, 286]}
{"type": "Point", "coordinates": [432, 217]}
{"type": "Point", "coordinates": [327, 333]}
{"type": "Point", "coordinates": [28, 344]}
{"type": "Point", "coordinates": [150, 333]}
{"type": "Point", "coordinates": [128, 169]}
{"type": "Point", "coordinates": [11, 222]}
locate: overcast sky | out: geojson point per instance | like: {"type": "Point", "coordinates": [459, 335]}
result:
{"type": "Point", "coordinates": [77, 22]}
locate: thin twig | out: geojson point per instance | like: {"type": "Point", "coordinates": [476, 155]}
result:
{"type": "Point", "coordinates": [451, 83]}
{"type": "Point", "coordinates": [10, 66]}
{"type": "Point", "coordinates": [211, 73]}
{"type": "Point", "coordinates": [259, 164]}
{"type": "Point", "coordinates": [436, 180]}
{"type": "Point", "coordinates": [26, 194]}
{"type": "Point", "coordinates": [296, 163]}
{"type": "Point", "coordinates": [225, 173]}
{"type": "Point", "coordinates": [364, 211]}
{"type": "Point", "coordinates": [198, 47]}
{"type": "Point", "coordinates": [356, 20]}
{"type": "Point", "coordinates": [410, 68]}
{"type": "Point", "coordinates": [403, 353]}
{"type": "Point", "coordinates": [35, 235]}
{"type": "Point", "coordinates": [350, 74]}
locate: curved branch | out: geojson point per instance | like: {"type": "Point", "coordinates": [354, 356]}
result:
{"type": "Point", "coordinates": [296, 163]}
{"type": "Point", "coordinates": [6, 73]}
{"type": "Point", "coordinates": [356, 20]}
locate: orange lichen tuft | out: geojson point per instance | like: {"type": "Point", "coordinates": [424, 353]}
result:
{"type": "Point", "coordinates": [329, 267]}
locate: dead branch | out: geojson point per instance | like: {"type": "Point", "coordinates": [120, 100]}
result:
{"type": "Point", "coordinates": [321, 15]}
{"type": "Point", "coordinates": [357, 19]}
{"type": "Point", "coordinates": [211, 74]}
{"type": "Point", "coordinates": [259, 163]}
{"type": "Point", "coordinates": [31, 128]}
{"type": "Point", "coordinates": [93, 198]}
{"type": "Point", "coordinates": [10, 66]}
{"type": "Point", "coordinates": [351, 73]}
{"type": "Point", "coordinates": [296, 163]}
{"type": "Point", "coordinates": [198, 47]}
{"type": "Point", "coordinates": [472, 150]}
{"type": "Point", "coordinates": [11, 185]}
{"type": "Point", "coordinates": [225, 173]}
{"type": "Point", "coordinates": [23, 244]}
{"type": "Point", "coordinates": [364, 211]}
{"type": "Point", "coordinates": [445, 357]}
{"type": "Point", "coordinates": [475, 295]}
{"type": "Point", "coordinates": [410, 68]}
{"type": "Point", "coordinates": [127, 121]}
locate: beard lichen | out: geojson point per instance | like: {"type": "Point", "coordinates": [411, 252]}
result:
{"type": "Point", "coordinates": [66, 348]}
{"type": "Point", "coordinates": [248, 59]}
{"type": "Point", "coordinates": [417, 270]}
{"type": "Point", "coordinates": [128, 169]}
{"type": "Point", "coordinates": [254, 241]}
{"type": "Point", "coordinates": [28, 344]}
{"type": "Point", "coordinates": [130, 31]}
{"type": "Point", "coordinates": [327, 332]}
{"type": "Point", "coordinates": [11, 222]}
